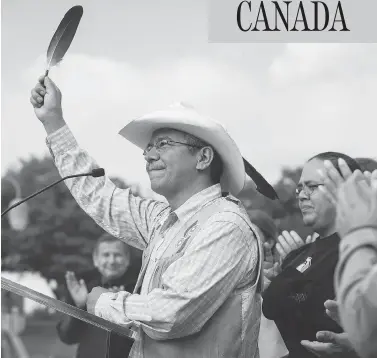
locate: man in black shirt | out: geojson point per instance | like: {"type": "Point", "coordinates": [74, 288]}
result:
{"type": "Point", "coordinates": [112, 259]}
{"type": "Point", "coordinates": [295, 298]}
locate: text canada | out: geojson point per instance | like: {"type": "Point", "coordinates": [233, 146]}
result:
{"type": "Point", "coordinates": [291, 16]}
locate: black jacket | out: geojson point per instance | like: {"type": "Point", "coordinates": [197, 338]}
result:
{"type": "Point", "coordinates": [295, 297]}
{"type": "Point", "coordinates": [94, 342]}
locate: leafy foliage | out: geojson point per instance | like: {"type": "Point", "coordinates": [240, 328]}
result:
{"type": "Point", "coordinates": [59, 237]}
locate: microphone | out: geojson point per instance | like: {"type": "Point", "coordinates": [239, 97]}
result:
{"type": "Point", "coordinates": [98, 172]}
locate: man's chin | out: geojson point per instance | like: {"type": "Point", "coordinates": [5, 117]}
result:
{"type": "Point", "coordinates": [308, 219]}
{"type": "Point", "coordinates": [157, 186]}
{"type": "Point", "coordinates": [113, 275]}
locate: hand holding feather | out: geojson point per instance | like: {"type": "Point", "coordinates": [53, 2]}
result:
{"type": "Point", "coordinates": [46, 96]}
{"type": "Point", "coordinates": [46, 99]}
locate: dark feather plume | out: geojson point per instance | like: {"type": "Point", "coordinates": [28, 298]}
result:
{"type": "Point", "coordinates": [263, 186]}
{"type": "Point", "coordinates": [63, 36]}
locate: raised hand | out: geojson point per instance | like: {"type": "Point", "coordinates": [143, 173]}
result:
{"type": "Point", "coordinates": [46, 99]}
{"type": "Point", "coordinates": [332, 179]}
{"type": "Point", "coordinates": [287, 242]}
{"type": "Point", "coordinates": [311, 238]}
{"type": "Point", "coordinates": [77, 289]}
{"type": "Point", "coordinates": [357, 203]}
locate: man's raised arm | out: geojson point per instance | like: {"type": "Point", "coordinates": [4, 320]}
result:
{"type": "Point", "coordinates": [123, 215]}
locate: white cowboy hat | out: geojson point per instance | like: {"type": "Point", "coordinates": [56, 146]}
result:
{"type": "Point", "coordinates": [186, 119]}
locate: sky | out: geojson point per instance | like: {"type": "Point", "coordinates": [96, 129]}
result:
{"type": "Point", "coordinates": [282, 103]}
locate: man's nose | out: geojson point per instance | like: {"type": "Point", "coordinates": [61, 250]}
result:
{"type": "Point", "coordinates": [112, 259]}
{"type": "Point", "coordinates": [303, 196]}
{"type": "Point", "coordinates": [151, 155]}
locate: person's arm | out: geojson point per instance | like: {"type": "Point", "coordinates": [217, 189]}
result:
{"type": "Point", "coordinates": [220, 257]}
{"type": "Point", "coordinates": [356, 288]}
{"type": "Point", "coordinates": [70, 330]}
{"type": "Point", "coordinates": [120, 213]}
{"type": "Point", "coordinates": [123, 215]}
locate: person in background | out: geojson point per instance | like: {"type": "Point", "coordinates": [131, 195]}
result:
{"type": "Point", "coordinates": [355, 195]}
{"type": "Point", "coordinates": [295, 298]}
{"type": "Point", "coordinates": [115, 270]}
{"type": "Point", "coordinates": [290, 240]}
{"type": "Point", "coordinates": [271, 344]}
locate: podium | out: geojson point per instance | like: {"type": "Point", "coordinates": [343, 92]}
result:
{"type": "Point", "coordinates": [65, 308]}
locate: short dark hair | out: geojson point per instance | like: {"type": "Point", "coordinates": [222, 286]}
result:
{"type": "Point", "coordinates": [110, 238]}
{"type": "Point", "coordinates": [367, 164]}
{"type": "Point", "coordinates": [216, 167]}
{"type": "Point", "coordinates": [333, 158]}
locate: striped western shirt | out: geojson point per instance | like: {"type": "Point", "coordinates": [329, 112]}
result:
{"type": "Point", "coordinates": [222, 256]}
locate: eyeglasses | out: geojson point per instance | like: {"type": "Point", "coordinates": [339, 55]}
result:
{"type": "Point", "coordinates": [308, 189]}
{"type": "Point", "coordinates": [162, 144]}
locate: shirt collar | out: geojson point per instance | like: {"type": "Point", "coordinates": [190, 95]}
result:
{"type": "Point", "coordinates": [197, 201]}
{"type": "Point", "coordinates": [335, 235]}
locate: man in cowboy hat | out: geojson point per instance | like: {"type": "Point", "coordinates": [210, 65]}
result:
{"type": "Point", "coordinates": [198, 292]}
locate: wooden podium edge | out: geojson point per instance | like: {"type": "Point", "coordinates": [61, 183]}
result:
{"type": "Point", "coordinates": [63, 307]}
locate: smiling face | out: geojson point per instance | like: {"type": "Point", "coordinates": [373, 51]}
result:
{"type": "Point", "coordinates": [317, 211]}
{"type": "Point", "coordinates": [172, 167]}
{"type": "Point", "coordinates": [112, 259]}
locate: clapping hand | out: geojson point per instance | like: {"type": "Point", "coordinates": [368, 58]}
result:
{"type": "Point", "coordinates": [289, 241]}
{"type": "Point", "coordinates": [330, 344]}
{"type": "Point", "coordinates": [77, 289]}
{"type": "Point", "coordinates": [357, 203]}
{"type": "Point", "coordinates": [333, 179]}
{"type": "Point", "coordinates": [354, 194]}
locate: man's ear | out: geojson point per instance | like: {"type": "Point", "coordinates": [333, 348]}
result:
{"type": "Point", "coordinates": [204, 158]}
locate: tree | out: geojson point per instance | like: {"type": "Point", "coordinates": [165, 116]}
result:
{"type": "Point", "coordinates": [60, 235]}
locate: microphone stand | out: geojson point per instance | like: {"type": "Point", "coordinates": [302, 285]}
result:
{"type": "Point", "coordinates": [95, 173]}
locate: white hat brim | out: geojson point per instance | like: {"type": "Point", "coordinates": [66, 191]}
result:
{"type": "Point", "coordinates": [140, 130]}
